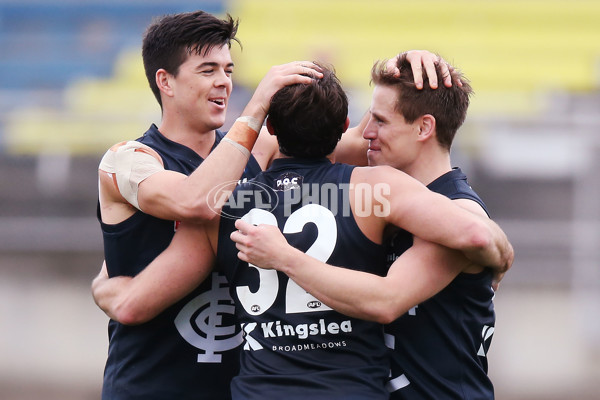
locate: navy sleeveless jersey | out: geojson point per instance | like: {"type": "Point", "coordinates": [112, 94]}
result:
{"type": "Point", "coordinates": [190, 350]}
{"type": "Point", "coordinates": [440, 346]}
{"type": "Point", "coordinates": [295, 347]}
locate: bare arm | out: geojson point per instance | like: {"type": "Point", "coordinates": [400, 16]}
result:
{"type": "Point", "coordinates": [174, 196]}
{"type": "Point", "coordinates": [352, 147]}
{"type": "Point", "coordinates": [266, 148]}
{"type": "Point", "coordinates": [410, 205]}
{"type": "Point", "coordinates": [191, 196]}
{"type": "Point", "coordinates": [419, 273]}
{"type": "Point", "coordinates": [171, 276]}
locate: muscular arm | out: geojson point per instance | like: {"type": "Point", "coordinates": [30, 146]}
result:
{"type": "Point", "coordinates": [408, 204]}
{"type": "Point", "coordinates": [419, 273]}
{"type": "Point", "coordinates": [172, 275]}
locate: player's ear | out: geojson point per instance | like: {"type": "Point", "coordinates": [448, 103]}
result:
{"type": "Point", "coordinates": [346, 124]}
{"type": "Point", "coordinates": [163, 81]}
{"type": "Point", "coordinates": [270, 127]}
{"type": "Point", "coordinates": [426, 127]}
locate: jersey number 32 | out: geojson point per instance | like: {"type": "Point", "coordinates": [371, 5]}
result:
{"type": "Point", "coordinates": [297, 300]}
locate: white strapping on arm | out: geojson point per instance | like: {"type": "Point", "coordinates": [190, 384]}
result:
{"type": "Point", "coordinates": [252, 122]}
{"type": "Point", "coordinates": [131, 163]}
{"type": "Point", "coordinates": [238, 146]}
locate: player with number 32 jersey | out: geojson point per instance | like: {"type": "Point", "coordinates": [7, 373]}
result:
{"type": "Point", "coordinates": [293, 343]}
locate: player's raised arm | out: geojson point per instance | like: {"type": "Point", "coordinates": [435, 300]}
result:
{"type": "Point", "coordinates": [141, 181]}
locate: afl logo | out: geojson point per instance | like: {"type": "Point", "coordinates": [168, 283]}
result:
{"type": "Point", "coordinates": [250, 193]}
{"type": "Point", "coordinates": [314, 304]}
{"type": "Point", "coordinates": [255, 308]}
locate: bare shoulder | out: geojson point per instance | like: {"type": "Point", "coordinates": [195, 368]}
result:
{"type": "Point", "coordinates": [123, 158]}
{"type": "Point", "coordinates": [123, 152]}
{"type": "Point", "coordinates": [113, 206]}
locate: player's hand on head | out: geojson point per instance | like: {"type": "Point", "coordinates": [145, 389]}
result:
{"type": "Point", "coordinates": [447, 70]}
{"type": "Point", "coordinates": [424, 60]}
{"type": "Point", "coordinates": [279, 76]}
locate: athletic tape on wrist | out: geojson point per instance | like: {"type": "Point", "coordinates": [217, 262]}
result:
{"type": "Point", "coordinates": [244, 132]}
{"type": "Point", "coordinates": [130, 163]}
{"type": "Point", "coordinates": [238, 146]}
{"type": "Point", "coordinates": [251, 122]}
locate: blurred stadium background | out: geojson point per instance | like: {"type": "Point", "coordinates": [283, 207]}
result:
{"type": "Point", "coordinates": [72, 84]}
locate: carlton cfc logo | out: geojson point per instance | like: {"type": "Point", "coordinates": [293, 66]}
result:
{"type": "Point", "coordinates": [200, 322]}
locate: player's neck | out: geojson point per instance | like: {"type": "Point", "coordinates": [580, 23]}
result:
{"type": "Point", "coordinates": [199, 140]}
{"type": "Point", "coordinates": [430, 166]}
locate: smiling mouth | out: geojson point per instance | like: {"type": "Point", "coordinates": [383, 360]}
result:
{"type": "Point", "coordinates": [219, 102]}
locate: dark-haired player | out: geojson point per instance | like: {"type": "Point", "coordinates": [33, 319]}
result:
{"type": "Point", "coordinates": [189, 351]}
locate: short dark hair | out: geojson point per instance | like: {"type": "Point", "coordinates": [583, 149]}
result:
{"type": "Point", "coordinates": [448, 105]}
{"type": "Point", "coordinates": [170, 39]}
{"type": "Point", "coordinates": [309, 119]}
